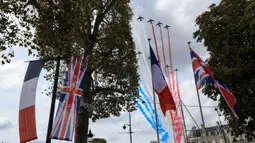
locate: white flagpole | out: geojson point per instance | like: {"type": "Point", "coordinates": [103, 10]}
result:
{"type": "Point", "coordinates": [154, 101]}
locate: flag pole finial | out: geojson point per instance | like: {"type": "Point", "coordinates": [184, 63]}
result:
{"type": "Point", "coordinates": [189, 44]}
{"type": "Point", "coordinates": [149, 40]}
{"type": "Point", "coordinates": [176, 70]}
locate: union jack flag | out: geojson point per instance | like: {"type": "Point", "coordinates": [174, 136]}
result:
{"type": "Point", "coordinates": [203, 75]}
{"type": "Point", "coordinates": [69, 103]}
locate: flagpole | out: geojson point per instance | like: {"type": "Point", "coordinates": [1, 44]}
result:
{"type": "Point", "coordinates": [53, 100]}
{"type": "Point", "coordinates": [184, 124]}
{"type": "Point", "coordinates": [154, 98]}
{"type": "Point", "coordinates": [183, 118]}
{"type": "Point", "coordinates": [201, 112]}
{"type": "Point", "coordinates": [221, 127]}
{"type": "Point", "coordinates": [130, 127]}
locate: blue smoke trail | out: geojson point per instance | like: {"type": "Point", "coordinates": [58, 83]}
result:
{"type": "Point", "coordinates": [150, 110]}
{"type": "Point", "coordinates": [145, 115]}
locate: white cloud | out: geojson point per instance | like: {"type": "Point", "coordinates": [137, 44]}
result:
{"type": "Point", "coordinates": [12, 75]}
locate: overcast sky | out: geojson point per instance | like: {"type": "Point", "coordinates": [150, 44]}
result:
{"type": "Point", "coordinates": [180, 15]}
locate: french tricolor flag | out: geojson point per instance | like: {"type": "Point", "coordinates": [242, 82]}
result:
{"type": "Point", "coordinates": [160, 85]}
{"type": "Point", "coordinates": [27, 123]}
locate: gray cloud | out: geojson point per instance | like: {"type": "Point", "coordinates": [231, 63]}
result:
{"type": "Point", "coordinates": [5, 124]}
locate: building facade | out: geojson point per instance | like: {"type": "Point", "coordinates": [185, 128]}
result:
{"type": "Point", "coordinates": [215, 134]}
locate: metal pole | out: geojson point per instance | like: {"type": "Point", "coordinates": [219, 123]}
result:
{"type": "Point", "coordinates": [53, 100]}
{"type": "Point", "coordinates": [221, 127]}
{"type": "Point", "coordinates": [190, 115]}
{"type": "Point", "coordinates": [130, 127]}
{"type": "Point", "coordinates": [201, 112]}
{"type": "Point", "coordinates": [174, 133]}
{"type": "Point", "coordinates": [154, 98]}
{"type": "Point", "coordinates": [184, 124]}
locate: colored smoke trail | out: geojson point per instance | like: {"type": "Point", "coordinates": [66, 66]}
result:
{"type": "Point", "coordinates": [171, 60]}
{"type": "Point", "coordinates": [163, 48]}
{"type": "Point", "coordinates": [151, 117]}
{"type": "Point", "coordinates": [145, 90]}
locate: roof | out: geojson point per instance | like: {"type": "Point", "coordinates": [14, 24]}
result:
{"type": "Point", "coordinates": [214, 130]}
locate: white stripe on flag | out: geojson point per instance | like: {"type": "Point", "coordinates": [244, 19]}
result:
{"type": "Point", "coordinates": [28, 93]}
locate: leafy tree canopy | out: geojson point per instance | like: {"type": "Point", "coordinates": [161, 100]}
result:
{"type": "Point", "coordinates": [228, 32]}
{"type": "Point", "coordinates": [15, 30]}
{"type": "Point", "coordinates": [99, 140]}
{"type": "Point", "coordinates": [99, 29]}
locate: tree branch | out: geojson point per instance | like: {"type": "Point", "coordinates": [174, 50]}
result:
{"type": "Point", "coordinates": [107, 89]}
{"type": "Point", "coordinates": [100, 18]}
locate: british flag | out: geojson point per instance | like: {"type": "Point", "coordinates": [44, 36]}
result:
{"type": "Point", "coordinates": [69, 103]}
{"type": "Point", "coordinates": [203, 75]}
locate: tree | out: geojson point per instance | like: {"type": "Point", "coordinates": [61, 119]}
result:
{"type": "Point", "coordinates": [228, 32]}
{"type": "Point", "coordinates": [15, 30]}
{"type": "Point", "coordinates": [99, 140]}
{"type": "Point", "coordinates": [99, 29]}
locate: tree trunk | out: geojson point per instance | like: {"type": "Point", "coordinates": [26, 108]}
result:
{"type": "Point", "coordinates": [82, 124]}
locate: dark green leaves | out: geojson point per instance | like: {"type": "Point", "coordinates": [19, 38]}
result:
{"type": "Point", "coordinates": [16, 21]}
{"type": "Point", "coordinates": [228, 32]}
{"type": "Point", "coordinates": [99, 140]}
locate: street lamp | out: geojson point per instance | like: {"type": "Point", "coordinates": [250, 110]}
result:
{"type": "Point", "coordinates": [130, 127]}
{"type": "Point", "coordinates": [90, 136]}
{"type": "Point", "coordinates": [125, 126]}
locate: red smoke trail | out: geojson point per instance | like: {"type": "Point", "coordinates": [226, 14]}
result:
{"type": "Point", "coordinates": [163, 49]}
{"type": "Point", "coordinates": [155, 41]}
{"type": "Point", "coordinates": [177, 87]}
{"type": "Point", "coordinates": [171, 60]}
{"type": "Point", "coordinates": [176, 116]}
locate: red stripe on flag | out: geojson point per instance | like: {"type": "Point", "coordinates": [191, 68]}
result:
{"type": "Point", "coordinates": [166, 100]}
{"type": "Point", "coordinates": [195, 64]}
{"type": "Point", "coordinates": [27, 124]}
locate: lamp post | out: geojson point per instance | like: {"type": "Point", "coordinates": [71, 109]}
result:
{"type": "Point", "coordinates": [90, 136]}
{"type": "Point", "coordinates": [130, 127]}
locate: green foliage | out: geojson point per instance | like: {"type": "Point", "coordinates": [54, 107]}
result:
{"type": "Point", "coordinates": [14, 28]}
{"type": "Point", "coordinates": [228, 32]}
{"type": "Point", "coordinates": [99, 140]}
{"type": "Point", "coordinates": [99, 29]}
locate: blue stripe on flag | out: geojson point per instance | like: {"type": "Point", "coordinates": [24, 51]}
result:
{"type": "Point", "coordinates": [68, 131]}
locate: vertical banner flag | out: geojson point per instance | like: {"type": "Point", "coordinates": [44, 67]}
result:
{"type": "Point", "coordinates": [203, 75]}
{"type": "Point", "coordinates": [69, 103]}
{"type": "Point", "coordinates": [27, 122]}
{"type": "Point", "coordinates": [160, 85]}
